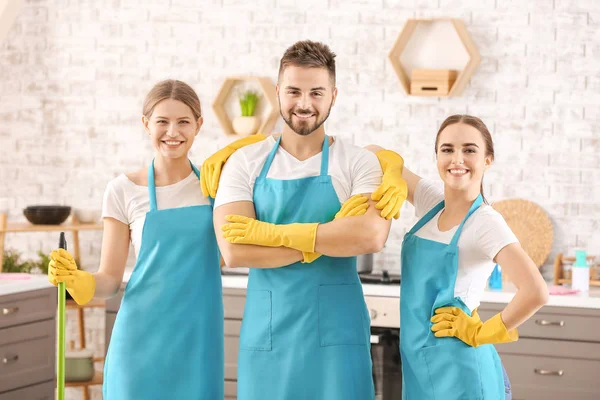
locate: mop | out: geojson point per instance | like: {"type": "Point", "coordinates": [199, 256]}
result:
{"type": "Point", "coordinates": [60, 356]}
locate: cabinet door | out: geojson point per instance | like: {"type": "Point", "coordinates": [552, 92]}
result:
{"type": "Point", "coordinates": [232, 343]}
{"type": "Point", "coordinates": [552, 376]}
{"type": "Point", "coordinates": [233, 303]}
{"type": "Point", "coordinates": [562, 323]}
{"type": "Point", "coordinates": [31, 306]}
{"type": "Point", "coordinates": [27, 354]}
{"type": "Point", "coordinates": [41, 391]}
{"type": "Point", "coordinates": [532, 392]}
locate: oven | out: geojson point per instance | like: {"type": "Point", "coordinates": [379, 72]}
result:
{"type": "Point", "coordinates": [387, 368]}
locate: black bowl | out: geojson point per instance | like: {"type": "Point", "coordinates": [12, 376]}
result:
{"type": "Point", "coordinates": [47, 215]}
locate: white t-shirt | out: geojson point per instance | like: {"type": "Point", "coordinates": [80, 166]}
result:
{"type": "Point", "coordinates": [484, 234]}
{"type": "Point", "coordinates": [353, 170]}
{"type": "Point", "coordinates": [127, 202]}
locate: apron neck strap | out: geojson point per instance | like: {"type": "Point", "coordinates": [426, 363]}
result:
{"type": "Point", "coordinates": [324, 158]}
{"type": "Point", "coordinates": [151, 187]}
{"type": "Point", "coordinates": [478, 201]}
{"type": "Point", "coordinates": [152, 184]}
{"type": "Point", "coordinates": [437, 209]}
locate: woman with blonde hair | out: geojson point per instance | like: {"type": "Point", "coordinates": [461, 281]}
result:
{"type": "Point", "coordinates": [167, 341]}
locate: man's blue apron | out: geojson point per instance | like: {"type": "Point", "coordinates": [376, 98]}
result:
{"type": "Point", "coordinates": [306, 329]}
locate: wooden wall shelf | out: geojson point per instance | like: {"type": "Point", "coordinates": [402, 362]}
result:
{"type": "Point", "coordinates": [268, 94]}
{"type": "Point", "coordinates": [408, 31]}
{"type": "Point", "coordinates": [20, 227]}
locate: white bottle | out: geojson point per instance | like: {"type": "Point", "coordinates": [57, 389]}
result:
{"type": "Point", "coordinates": [580, 272]}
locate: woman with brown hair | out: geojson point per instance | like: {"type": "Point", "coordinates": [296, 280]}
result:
{"type": "Point", "coordinates": [447, 351]}
{"type": "Point", "coordinates": [167, 341]}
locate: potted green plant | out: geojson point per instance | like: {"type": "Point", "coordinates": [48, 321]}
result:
{"type": "Point", "coordinates": [12, 263]}
{"type": "Point", "coordinates": [247, 124]}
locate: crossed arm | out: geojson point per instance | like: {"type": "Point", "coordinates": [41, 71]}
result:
{"type": "Point", "coordinates": [343, 237]}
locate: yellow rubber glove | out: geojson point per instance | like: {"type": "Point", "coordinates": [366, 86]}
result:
{"type": "Point", "coordinates": [244, 230]}
{"type": "Point", "coordinates": [213, 165]}
{"type": "Point", "coordinates": [81, 285]}
{"type": "Point", "coordinates": [393, 190]}
{"type": "Point", "coordinates": [452, 321]}
{"type": "Point", "coordinates": [354, 206]}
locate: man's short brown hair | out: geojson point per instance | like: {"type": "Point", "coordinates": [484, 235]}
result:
{"type": "Point", "coordinates": [307, 53]}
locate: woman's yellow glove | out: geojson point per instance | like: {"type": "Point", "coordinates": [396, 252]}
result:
{"type": "Point", "coordinates": [354, 206]}
{"type": "Point", "coordinates": [452, 321]}
{"type": "Point", "coordinates": [245, 230]}
{"type": "Point", "coordinates": [393, 190]}
{"type": "Point", "coordinates": [81, 285]}
{"type": "Point", "coordinates": [213, 165]}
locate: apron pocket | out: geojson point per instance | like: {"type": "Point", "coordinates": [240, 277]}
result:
{"type": "Point", "coordinates": [342, 313]}
{"type": "Point", "coordinates": [256, 323]}
{"type": "Point", "coordinates": [454, 371]}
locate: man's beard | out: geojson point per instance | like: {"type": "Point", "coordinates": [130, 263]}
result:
{"type": "Point", "coordinates": [304, 128]}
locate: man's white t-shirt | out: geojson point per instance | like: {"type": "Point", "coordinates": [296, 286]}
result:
{"type": "Point", "coordinates": [127, 202]}
{"type": "Point", "coordinates": [353, 170]}
{"type": "Point", "coordinates": [483, 236]}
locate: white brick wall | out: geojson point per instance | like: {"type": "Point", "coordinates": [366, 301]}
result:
{"type": "Point", "coordinates": [73, 75]}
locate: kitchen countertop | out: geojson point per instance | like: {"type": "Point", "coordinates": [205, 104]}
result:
{"type": "Point", "coordinates": [34, 282]}
{"type": "Point", "coordinates": [591, 300]}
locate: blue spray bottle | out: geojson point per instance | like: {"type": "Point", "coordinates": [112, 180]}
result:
{"type": "Point", "coordinates": [496, 278]}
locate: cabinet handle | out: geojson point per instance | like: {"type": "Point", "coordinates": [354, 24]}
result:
{"type": "Point", "coordinates": [543, 322]}
{"type": "Point", "coordinates": [373, 314]}
{"type": "Point", "coordinates": [560, 372]}
{"type": "Point", "coordinates": [11, 359]}
{"type": "Point", "coordinates": [11, 310]}
{"type": "Point", "coordinates": [375, 339]}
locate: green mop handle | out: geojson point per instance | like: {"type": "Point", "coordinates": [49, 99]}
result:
{"type": "Point", "coordinates": [60, 357]}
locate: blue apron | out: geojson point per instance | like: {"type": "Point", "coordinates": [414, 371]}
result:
{"type": "Point", "coordinates": [306, 329]}
{"type": "Point", "coordinates": [167, 341]}
{"type": "Point", "coordinates": [439, 368]}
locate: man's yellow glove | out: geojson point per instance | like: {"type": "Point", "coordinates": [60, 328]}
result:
{"type": "Point", "coordinates": [452, 321]}
{"type": "Point", "coordinates": [213, 165]}
{"type": "Point", "coordinates": [393, 190]}
{"type": "Point", "coordinates": [81, 285]}
{"type": "Point", "coordinates": [244, 230]}
{"type": "Point", "coordinates": [354, 206]}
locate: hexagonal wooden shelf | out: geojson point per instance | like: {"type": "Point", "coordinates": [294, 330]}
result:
{"type": "Point", "coordinates": [404, 37]}
{"type": "Point", "coordinates": [8, 14]}
{"type": "Point", "coordinates": [268, 90]}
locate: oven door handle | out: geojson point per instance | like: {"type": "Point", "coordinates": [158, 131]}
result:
{"type": "Point", "coordinates": [376, 339]}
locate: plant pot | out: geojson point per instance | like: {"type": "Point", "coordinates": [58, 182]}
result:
{"type": "Point", "coordinates": [79, 366]}
{"type": "Point", "coordinates": [245, 126]}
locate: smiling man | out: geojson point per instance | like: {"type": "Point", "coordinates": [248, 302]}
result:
{"type": "Point", "coordinates": [305, 332]}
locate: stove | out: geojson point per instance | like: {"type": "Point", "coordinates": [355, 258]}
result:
{"type": "Point", "coordinates": [383, 278]}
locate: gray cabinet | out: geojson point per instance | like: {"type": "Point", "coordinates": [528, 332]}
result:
{"type": "Point", "coordinates": [41, 391]}
{"type": "Point", "coordinates": [27, 344]}
{"type": "Point", "coordinates": [233, 303]}
{"type": "Point", "coordinates": [557, 355]}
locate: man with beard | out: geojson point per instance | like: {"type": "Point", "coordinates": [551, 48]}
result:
{"type": "Point", "coordinates": [305, 331]}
